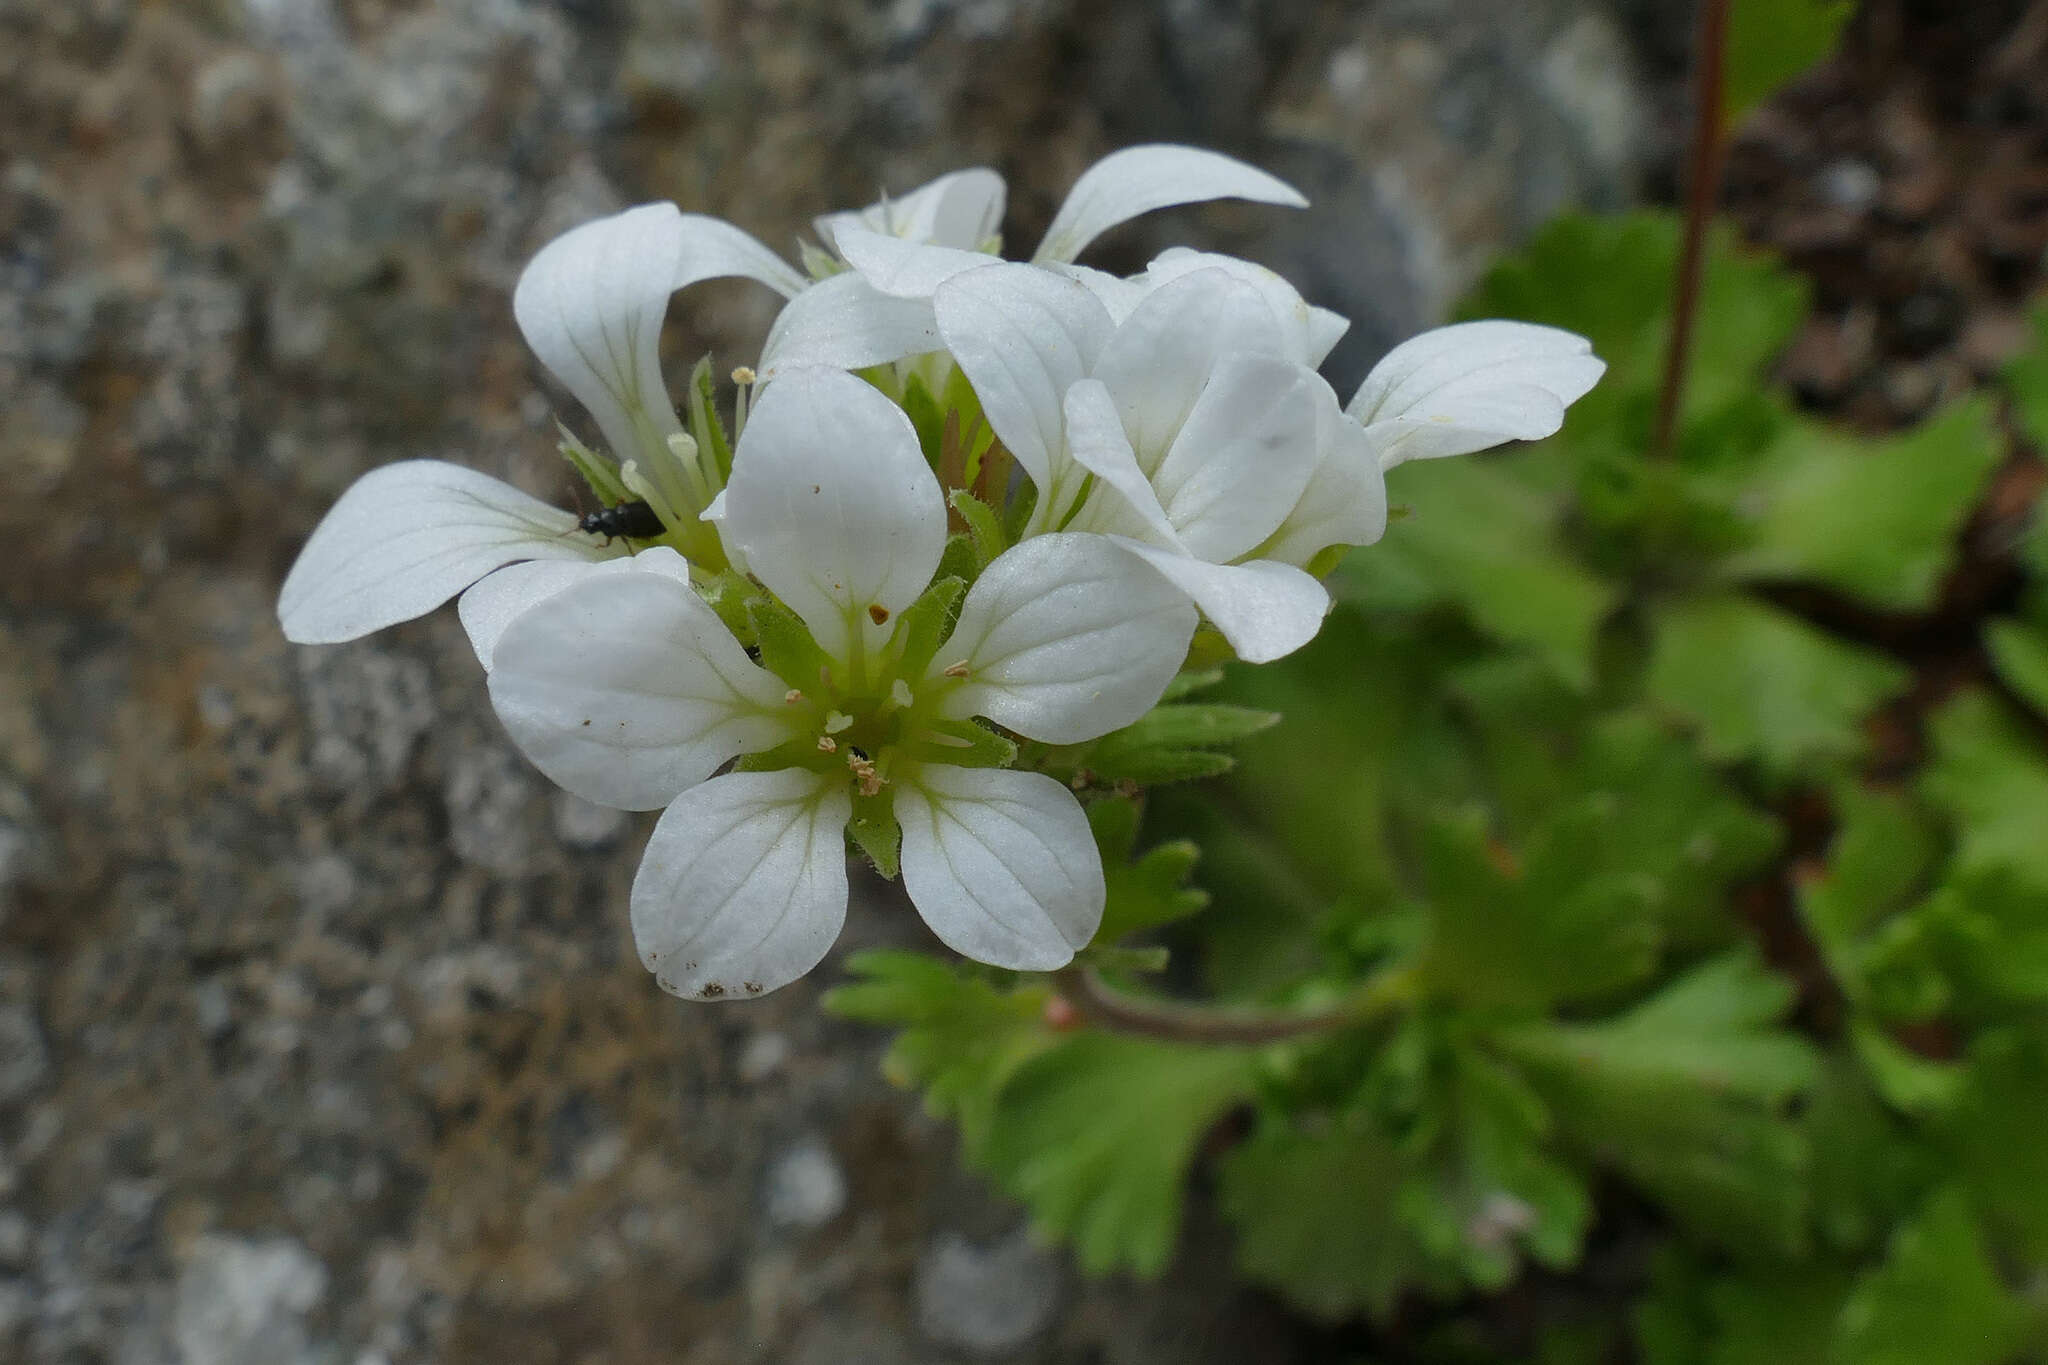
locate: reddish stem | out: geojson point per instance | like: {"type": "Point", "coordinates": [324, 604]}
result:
{"type": "Point", "coordinates": [1703, 180]}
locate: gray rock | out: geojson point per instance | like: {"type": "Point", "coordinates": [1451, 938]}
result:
{"type": "Point", "coordinates": [805, 1187]}
{"type": "Point", "coordinates": [988, 1299]}
{"type": "Point", "coordinates": [244, 1302]}
{"type": "Point", "coordinates": [493, 801]}
{"type": "Point", "coordinates": [584, 825]}
{"type": "Point", "coordinates": [365, 709]}
{"type": "Point", "coordinates": [24, 1058]}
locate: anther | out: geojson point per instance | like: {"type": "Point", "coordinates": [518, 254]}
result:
{"type": "Point", "coordinates": [957, 670]}
{"type": "Point", "coordinates": [792, 697]}
{"type": "Point", "coordinates": [827, 744]}
{"type": "Point", "coordinates": [878, 613]}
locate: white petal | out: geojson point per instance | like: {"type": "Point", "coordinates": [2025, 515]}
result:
{"type": "Point", "coordinates": [1124, 502]}
{"type": "Point", "coordinates": [627, 689]}
{"type": "Point", "coordinates": [833, 505]}
{"type": "Point", "coordinates": [1307, 333]}
{"type": "Point", "coordinates": [910, 270]}
{"type": "Point", "coordinates": [1473, 385]}
{"type": "Point", "coordinates": [961, 209]}
{"type": "Point", "coordinates": [1243, 456]}
{"type": "Point", "coordinates": [1116, 294]}
{"type": "Point", "coordinates": [1265, 609]}
{"type": "Point", "coordinates": [1138, 180]}
{"type": "Point", "coordinates": [847, 324]}
{"type": "Point", "coordinates": [591, 304]}
{"type": "Point", "coordinates": [1001, 865]}
{"type": "Point", "coordinates": [1345, 503]}
{"type": "Point", "coordinates": [493, 603]}
{"type": "Point", "coordinates": [407, 537]}
{"type": "Point", "coordinates": [1158, 360]}
{"type": "Point", "coordinates": [1022, 336]}
{"type": "Point", "coordinates": [742, 888]}
{"type": "Point", "coordinates": [1065, 638]}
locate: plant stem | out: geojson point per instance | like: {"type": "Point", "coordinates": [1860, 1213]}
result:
{"type": "Point", "coordinates": [1703, 179]}
{"type": "Point", "coordinates": [1180, 1021]}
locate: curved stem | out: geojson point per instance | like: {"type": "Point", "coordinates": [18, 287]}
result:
{"type": "Point", "coordinates": [1098, 1003]}
{"type": "Point", "coordinates": [1703, 179]}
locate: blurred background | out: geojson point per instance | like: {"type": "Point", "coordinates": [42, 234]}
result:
{"type": "Point", "coordinates": [321, 1035]}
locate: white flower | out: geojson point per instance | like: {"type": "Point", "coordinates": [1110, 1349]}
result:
{"type": "Point", "coordinates": [405, 538]}
{"type": "Point", "coordinates": [1191, 432]}
{"type": "Point", "coordinates": [627, 689]}
{"type": "Point", "coordinates": [1195, 431]}
{"type": "Point", "coordinates": [880, 311]}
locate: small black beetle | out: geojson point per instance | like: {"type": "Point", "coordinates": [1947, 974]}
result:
{"type": "Point", "coordinates": [634, 519]}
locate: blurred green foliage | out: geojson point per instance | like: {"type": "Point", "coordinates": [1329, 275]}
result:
{"type": "Point", "coordinates": [1717, 902]}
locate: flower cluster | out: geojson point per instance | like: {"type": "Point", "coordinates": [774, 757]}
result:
{"type": "Point", "coordinates": [970, 502]}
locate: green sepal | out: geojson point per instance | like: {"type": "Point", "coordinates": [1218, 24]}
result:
{"type": "Point", "coordinates": [730, 595]}
{"type": "Point", "coordinates": [927, 417]}
{"type": "Point", "coordinates": [1174, 743]}
{"type": "Point", "coordinates": [959, 559]}
{"type": "Point", "coordinates": [787, 649]}
{"type": "Point", "coordinates": [795, 753]}
{"type": "Point", "coordinates": [977, 746]}
{"type": "Point", "coordinates": [598, 473]}
{"type": "Point", "coordinates": [1191, 681]}
{"type": "Point", "coordinates": [874, 831]}
{"type": "Point", "coordinates": [982, 524]}
{"type": "Point", "coordinates": [1019, 512]}
{"type": "Point", "coordinates": [926, 623]}
{"type": "Point", "coordinates": [705, 428]}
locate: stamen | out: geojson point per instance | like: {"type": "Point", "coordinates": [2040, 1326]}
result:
{"type": "Point", "coordinates": [957, 670]}
{"type": "Point", "coordinates": [866, 780]}
{"type": "Point", "coordinates": [827, 744]}
{"type": "Point", "coordinates": [878, 613]}
{"type": "Point", "coordinates": [792, 697]}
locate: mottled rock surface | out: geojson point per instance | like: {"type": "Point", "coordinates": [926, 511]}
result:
{"type": "Point", "coordinates": [321, 1036]}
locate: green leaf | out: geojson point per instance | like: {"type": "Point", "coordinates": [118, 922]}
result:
{"type": "Point", "coordinates": [1097, 1134]}
{"type": "Point", "coordinates": [1995, 1133]}
{"type": "Point", "coordinates": [2026, 378]}
{"type": "Point", "coordinates": [1494, 1191]}
{"type": "Point", "coordinates": [1610, 280]}
{"type": "Point", "coordinates": [1883, 852]}
{"type": "Point", "coordinates": [1937, 1297]}
{"type": "Point", "coordinates": [1908, 1082]}
{"type": "Point", "coordinates": [961, 1038]}
{"type": "Point", "coordinates": [1488, 542]}
{"type": "Point", "coordinates": [1502, 938]}
{"type": "Point", "coordinates": [1875, 518]}
{"type": "Point", "coordinates": [1684, 1093]}
{"type": "Point", "coordinates": [1678, 827]}
{"type": "Point", "coordinates": [1316, 1211]}
{"type": "Point", "coordinates": [1761, 684]}
{"type": "Point", "coordinates": [1146, 892]}
{"type": "Point", "coordinates": [1771, 41]}
{"type": "Point", "coordinates": [1988, 775]}
{"type": "Point", "coordinates": [2021, 653]}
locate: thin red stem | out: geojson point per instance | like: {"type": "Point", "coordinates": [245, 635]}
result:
{"type": "Point", "coordinates": [1703, 181]}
